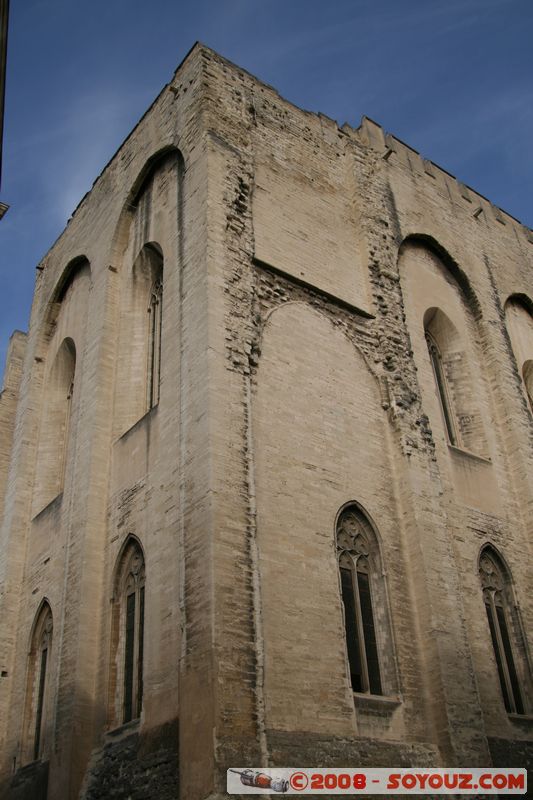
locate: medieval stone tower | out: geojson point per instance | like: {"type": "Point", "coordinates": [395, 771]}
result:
{"type": "Point", "coordinates": [265, 463]}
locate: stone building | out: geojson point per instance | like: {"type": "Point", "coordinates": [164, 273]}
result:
{"type": "Point", "coordinates": [265, 462]}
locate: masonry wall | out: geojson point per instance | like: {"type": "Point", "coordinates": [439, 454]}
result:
{"type": "Point", "coordinates": [9, 400]}
{"type": "Point", "coordinates": [301, 262]}
{"type": "Point", "coordinates": [296, 342]}
{"type": "Point", "coordinates": [123, 475]}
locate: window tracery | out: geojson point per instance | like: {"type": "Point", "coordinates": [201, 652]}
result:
{"type": "Point", "coordinates": [357, 565]}
{"type": "Point", "coordinates": [38, 683]}
{"type": "Point", "coordinates": [128, 626]}
{"type": "Point", "coordinates": [494, 583]}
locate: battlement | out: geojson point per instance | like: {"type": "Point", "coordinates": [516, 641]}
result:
{"type": "Point", "coordinates": [395, 151]}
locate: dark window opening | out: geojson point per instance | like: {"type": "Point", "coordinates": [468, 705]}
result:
{"type": "Point", "coordinates": [40, 704]}
{"type": "Point", "coordinates": [369, 633]}
{"type": "Point", "coordinates": [154, 346]}
{"type": "Point", "coordinates": [503, 653]}
{"type": "Point", "coordinates": [140, 653]}
{"type": "Point", "coordinates": [352, 633]}
{"type": "Point", "coordinates": [129, 655]}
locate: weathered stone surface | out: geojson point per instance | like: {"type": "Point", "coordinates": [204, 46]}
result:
{"type": "Point", "coordinates": [512, 753]}
{"type": "Point", "coordinates": [136, 768]}
{"type": "Point", "coordinates": [304, 265]}
{"type": "Point", "coordinates": [30, 782]}
{"type": "Point", "coordinates": [307, 750]}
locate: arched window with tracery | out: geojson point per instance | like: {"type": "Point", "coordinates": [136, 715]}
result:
{"type": "Point", "coordinates": [501, 616]}
{"type": "Point", "coordinates": [363, 592]}
{"type": "Point", "coordinates": [128, 635]}
{"type": "Point", "coordinates": [36, 714]}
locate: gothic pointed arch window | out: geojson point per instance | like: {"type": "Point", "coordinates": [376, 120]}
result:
{"type": "Point", "coordinates": [36, 718]}
{"type": "Point", "coordinates": [128, 635]}
{"type": "Point", "coordinates": [503, 626]}
{"type": "Point", "coordinates": [364, 599]}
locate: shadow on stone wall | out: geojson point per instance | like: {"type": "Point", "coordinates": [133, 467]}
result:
{"type": "Point", "coordinates": [29, 782]}
{"type": "Point", "coordinates": [130, 764]}
{"type": "Point", "coordinates": [135, 765]}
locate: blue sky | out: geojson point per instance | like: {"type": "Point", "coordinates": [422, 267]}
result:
{"type": "Point", "coordinates": [453, 78]}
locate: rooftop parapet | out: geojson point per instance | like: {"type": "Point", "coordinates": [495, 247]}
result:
{"type": "Point", "coordinates": [394, 150]}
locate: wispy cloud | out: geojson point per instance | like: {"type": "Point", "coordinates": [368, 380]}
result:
{"type": "Point", "coordinates": [62, 160]}
{"type": "Point", "coordinates": [94, 126]}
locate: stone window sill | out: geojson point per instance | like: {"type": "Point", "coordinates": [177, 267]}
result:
{"type": "Point", "coordinates": [55, 500]}
{"type": "Point", "coordinates": [524, 719]}
{"type": "Point", "coordinates": [467, 454]}
{"type": "Point", "coordinates": [37, 762]}
{"type": "Point", "coordinates": [378, 702]}
{"type": "Point", "coordinates": [124, 730]}
{"type": "Point", "coordinates": [147, 414]}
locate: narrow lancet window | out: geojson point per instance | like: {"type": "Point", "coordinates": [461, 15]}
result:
{"type": "Point", "coordinates": [442, 389]}
{"type": "Point", "coordinates": [154, 341]}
